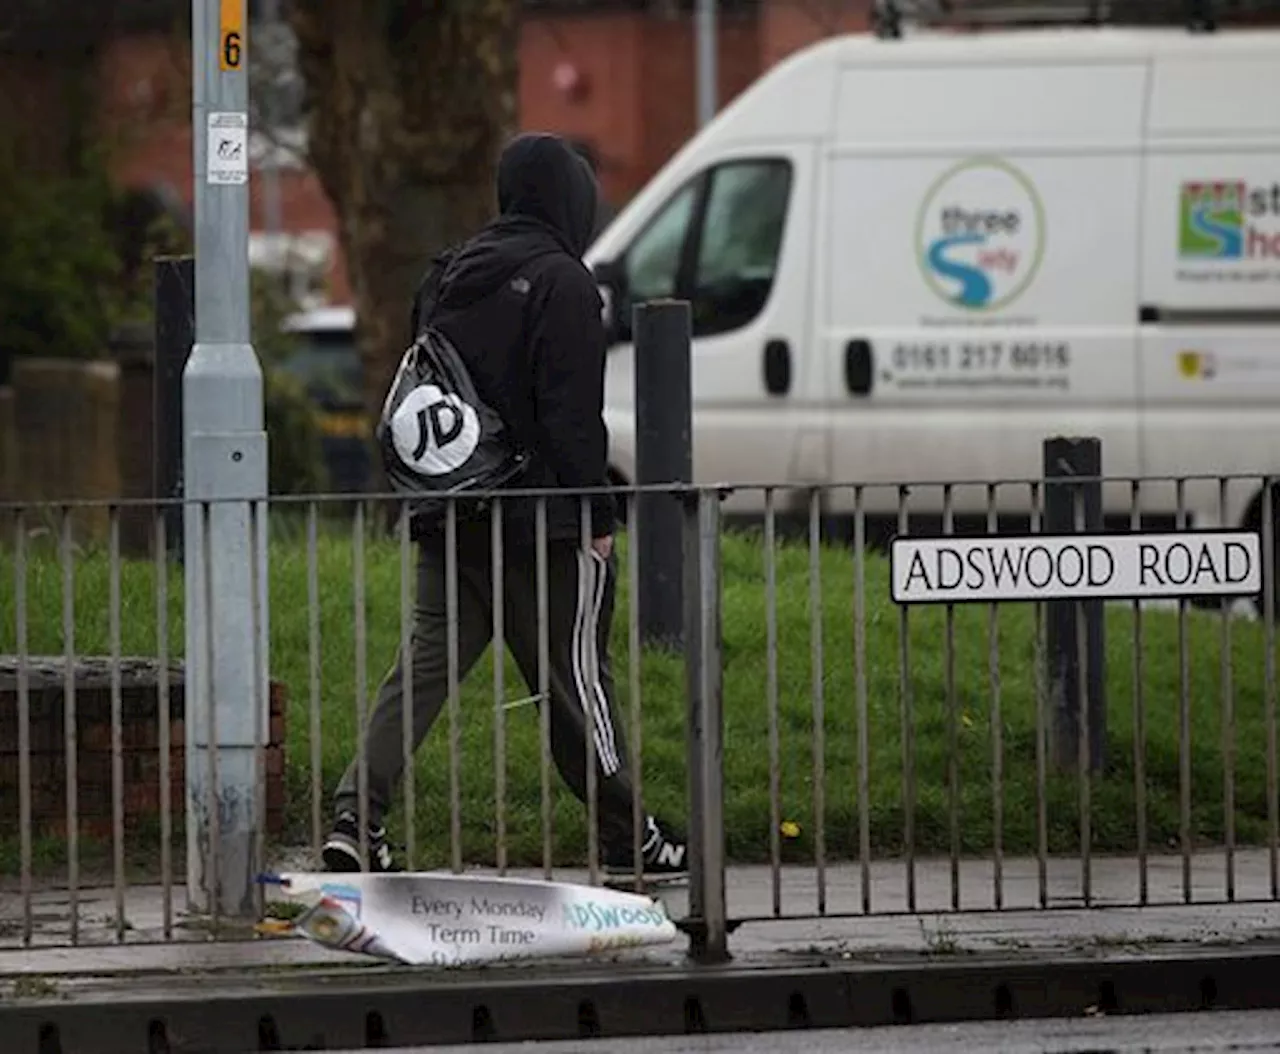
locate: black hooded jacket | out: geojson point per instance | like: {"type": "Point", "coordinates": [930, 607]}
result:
{"type": "Point", "coordinates": [523, 312]}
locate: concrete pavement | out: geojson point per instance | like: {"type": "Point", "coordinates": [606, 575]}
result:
{"type": "Point", "coordinates": [803, 970]}
{"type": "Point", "coordinates": [1257, 1030]}
{"type": "Point", "coordinates": [1113, 923]}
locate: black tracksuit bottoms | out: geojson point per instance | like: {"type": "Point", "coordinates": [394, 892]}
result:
{"type": "Point", "coordinates": [580, 601]}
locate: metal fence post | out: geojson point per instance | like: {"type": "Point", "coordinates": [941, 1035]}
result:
{"type": "Point", "coordinates": [707, 47]}
{"type": "Point", "coordinates": [708, 941]}
{"type": "Point", "coordinates": [664, 455]}
{"type": "Point", "coordinates": [225, 466]}
{"type": "Point", "coordinates": [175, 313]}
{"type": "Point", "coordinates": [1064, 459]}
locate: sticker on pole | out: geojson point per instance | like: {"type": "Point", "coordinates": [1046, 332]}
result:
{"type": "Point", "coordinates": [430, 919]}
{"type": "Point", "coordinates": [1074, 567]}
{"type": "Point", "coordinates": [231, 35]}
{"type": "Point", "coordinates": [227, 149]}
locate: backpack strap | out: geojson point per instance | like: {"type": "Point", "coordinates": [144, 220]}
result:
{"type": "Point", "coordinates": [427, 294]}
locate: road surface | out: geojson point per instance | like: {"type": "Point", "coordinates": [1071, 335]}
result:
{"type": "Point", "coordinates": [1157, 1034]}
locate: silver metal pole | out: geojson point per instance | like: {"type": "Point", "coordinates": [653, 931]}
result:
{"type": "Point", "coordinates": [225, 455]}
{"type": "Point", "coordinates": [707, 74]}
{"type": "Point", "coordinates": [271, 207]}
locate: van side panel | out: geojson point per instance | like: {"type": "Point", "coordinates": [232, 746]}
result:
{"type": "Point", "coordinates": [1210, 360]}
{"type": "Point", "coordinates": [961, 106]}
{"type": "Point", "coordinates": [1216, 93]}
{"type": "Point", "coordinates": [984, 246]}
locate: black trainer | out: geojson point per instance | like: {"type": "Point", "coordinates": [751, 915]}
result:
{"type": "Point", "coordinates": [663, 854]}
{"type": "Point", "coordinates": [342, 851]}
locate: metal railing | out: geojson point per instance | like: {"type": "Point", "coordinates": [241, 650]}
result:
{"type": "Point", "coordinates": [829, 752]}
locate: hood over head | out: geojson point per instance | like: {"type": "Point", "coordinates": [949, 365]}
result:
{"type": "Point", "coordinates": [547, 199]}
{"type": "Point", "coordinates": [540, 176]}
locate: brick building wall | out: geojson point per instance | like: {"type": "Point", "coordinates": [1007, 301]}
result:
{"type": "Point", "coordinates": [140, 754]}
{"type": "Point", "coordinates": [621, 82]}
{"type": "Point", "coordinates": [146, 96]}
{"type": "Point", "coordinates": [668, 122]}
{"type": "Point", "coordinates": [786, 26]}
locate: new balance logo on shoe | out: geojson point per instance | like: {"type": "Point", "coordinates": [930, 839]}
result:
{"type": "Point", "coordinates": [381, 855]}
{"type": "Point", "coordinates": [670, 855]}
{"type": "Point", "coordinates": [662, 855]}
{"type": "Point", "coordinates": [342, 850]}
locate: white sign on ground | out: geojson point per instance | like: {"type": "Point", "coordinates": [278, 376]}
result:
{"type": "Point", "coordinates": [1076, 566]}
{"type": "Point", "coordinates": [430, 919]}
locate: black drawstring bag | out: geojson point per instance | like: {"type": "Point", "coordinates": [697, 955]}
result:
{"type": "Point", "coordinates": [438, 439]}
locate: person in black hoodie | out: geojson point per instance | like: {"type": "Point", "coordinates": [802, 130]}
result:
{"type": "Point", "coordinates": [524, 314]}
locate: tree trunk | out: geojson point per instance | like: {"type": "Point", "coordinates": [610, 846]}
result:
{"type": "Point", "coordinates": [409, 103]}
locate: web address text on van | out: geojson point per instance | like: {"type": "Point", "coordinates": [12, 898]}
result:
{"type": "Point", "coordinates": [980, 382]}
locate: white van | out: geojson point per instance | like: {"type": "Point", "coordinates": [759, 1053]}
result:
{"type": "Point", "coordinates": [915, 259]}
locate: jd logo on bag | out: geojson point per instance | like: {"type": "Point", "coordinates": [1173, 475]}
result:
{"type": "Point", "coordinates": [433, 432]}
{"type": "Point", "coordinates": [438, 436]}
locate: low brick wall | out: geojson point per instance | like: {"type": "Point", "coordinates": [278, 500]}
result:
{"type": "Point", "coordinates": [140, 734]}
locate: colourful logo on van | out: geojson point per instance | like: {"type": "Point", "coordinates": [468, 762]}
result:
{"type": "Point", "coordinates": [980, 234]}
{"type": "Point", "coordinates": [1220, 220]}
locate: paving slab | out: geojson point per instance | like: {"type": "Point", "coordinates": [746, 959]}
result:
{"type": "Point", "coordinates": [805, 970]}
{"type": "Point", "coordinates": [819, 917]}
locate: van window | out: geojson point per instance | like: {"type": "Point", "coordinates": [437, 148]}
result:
{"type": "Point", "coordinates": [741, 236]}
{"type": "Point", "coordinates": [715, 244]}
{"type": "Point", "coordinates": [653, 261]}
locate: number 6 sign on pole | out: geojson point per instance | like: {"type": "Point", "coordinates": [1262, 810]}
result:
{"type": "Point", "coordinates": [231, 36]}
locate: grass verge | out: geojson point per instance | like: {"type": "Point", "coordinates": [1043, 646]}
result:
{"type": "Point", "coordinates": [995, 704]}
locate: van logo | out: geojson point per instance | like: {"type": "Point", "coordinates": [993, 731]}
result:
{"type": "Point", "coordinates": [1228, 219]}
{"type": "Point", "coordinates": [1197, 365]}
{"type": "Point", "coordinates": [980, 234]}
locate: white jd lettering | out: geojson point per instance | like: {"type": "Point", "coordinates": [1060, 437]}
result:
{"type": "Point", "coordinates": [440, 423]}
{"type": "Point", "coordinates": [434, 432]}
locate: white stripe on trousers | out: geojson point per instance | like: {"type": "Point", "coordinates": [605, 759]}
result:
{"type": "Point", "coordinates": [585, 660]}
{"type": "Point", "coordinates": [593, 657]}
